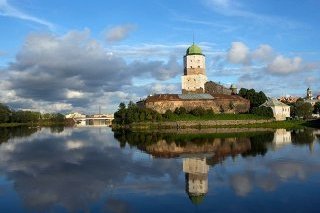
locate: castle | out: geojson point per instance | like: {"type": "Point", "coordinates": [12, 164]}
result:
{"type": "Point", "coordinates": [197, 91]}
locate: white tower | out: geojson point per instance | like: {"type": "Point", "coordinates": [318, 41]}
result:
{"type": "Point", "coordinates": [309, 94]}
{"type": "Point", "coordinates": [194, 76]}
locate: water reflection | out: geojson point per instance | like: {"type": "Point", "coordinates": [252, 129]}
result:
{"type": "Point", "coordinates": [86, 170]}
{"type": "Point", "coordinates": [196, 172]}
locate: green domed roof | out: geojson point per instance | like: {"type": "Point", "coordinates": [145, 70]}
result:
{"type": "Point", "coordinates": [233, 86]}
{"type": "Point", "coordinates": [194, 50]}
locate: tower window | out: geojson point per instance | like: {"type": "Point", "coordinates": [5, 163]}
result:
{"type": "Point", "coordinates": [199, 66]}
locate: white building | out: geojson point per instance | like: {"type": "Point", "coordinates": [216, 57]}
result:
{"type": "Point", "coordinates": [280, 110]}
{"type": "Point", "coordinates": [194, 77]}
{"type": "Point", "coordinates": [75, 115]}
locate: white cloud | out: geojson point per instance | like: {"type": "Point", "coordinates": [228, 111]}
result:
{"type": "Point", "coordinates": [163, 88]}
{"type": "Point", "coordinates": [238, 53]}
{"type": "Point", "coordinates": [119, 33]}
{"type": "Point", "coordinates": [237, 8]}
{"type": "Point", "coordinates": [7, 10]}
{"type": "Point", "coordinates": [74, 71]}
{"type": "Point", "coordinates": [263, 53]}
{"type": "Point", "coordinates": [283, 65]}
{"type": "Point", "coordinates": [74, 94]}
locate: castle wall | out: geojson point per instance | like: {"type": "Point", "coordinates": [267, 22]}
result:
{"type": "Point", "coordinates": [214, 88]}
{"type": "Point", "coordinates": [217, 105]}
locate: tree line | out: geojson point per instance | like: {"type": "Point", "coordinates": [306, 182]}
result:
{"type": "Point", "coordinates": [8, 115]}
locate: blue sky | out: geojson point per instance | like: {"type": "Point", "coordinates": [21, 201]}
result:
{"type": "Point", "coordinates": [76, 55]}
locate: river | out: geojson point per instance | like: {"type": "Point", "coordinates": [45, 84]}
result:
{"type": "Point", "coordinates": [96, 170]}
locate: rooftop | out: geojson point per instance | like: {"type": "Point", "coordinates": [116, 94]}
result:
{"type": "Point", "coordinates": [273, 102]}
{"type": "Point", "coordinates": [194, 50]}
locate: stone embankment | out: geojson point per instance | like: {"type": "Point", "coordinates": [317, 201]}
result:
{"type": "Point", "coordinates": [198, 124]}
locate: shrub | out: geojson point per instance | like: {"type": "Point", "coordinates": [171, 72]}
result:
{"type": "Point", "coordinates": [263, 111]}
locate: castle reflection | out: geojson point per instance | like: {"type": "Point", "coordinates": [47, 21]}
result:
{"type": "Point", "coordinates": [196, 173]}
{"type": "Point", "coordinates": [200, 152]}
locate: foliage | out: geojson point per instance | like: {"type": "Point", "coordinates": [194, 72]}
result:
{"type": "Point", "coordinates": [316, 107]}
{"type": "Point", "coordinates": [5, 113]}
{"type": "Point", "coordinates": [131, 113]}
{"type": "Point", "coordinates": [198, 111]}
{"type": "Point", "coordinates": [302, 110]}
{"type": "Point", "coordinates": [302, 136]}
{"type": "Point", "coordinates": [10, 116]}
{"type": "Point", "coordinates": [255, 98]}
{"type": "Point", "coordinates": [263, 111]}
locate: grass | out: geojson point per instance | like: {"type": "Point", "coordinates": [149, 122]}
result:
{"type": "Point", "coordinates": [190, 117]}
{"type": "Point", "coordinates": [289, 124]}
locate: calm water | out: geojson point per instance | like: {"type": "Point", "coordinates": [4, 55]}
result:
{"type": "Point", "coordinates": [96, 170]}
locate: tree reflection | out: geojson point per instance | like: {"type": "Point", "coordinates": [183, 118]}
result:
{"type": "Point", "coordinates": [303, 136]}
{"type": "Point", "coordinates": [259, 144]}
{"type": "Point", "coordinates": [15, 132]}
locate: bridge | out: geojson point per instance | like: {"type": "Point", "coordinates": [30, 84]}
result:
{"type": "Point", "coordinates": [95, 120]}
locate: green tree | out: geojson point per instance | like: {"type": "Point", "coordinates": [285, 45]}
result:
{"type": "Point", "coordinates": [168, 114]}
{"type": "Point", "coordinates": [5, 113]}
{"type": "Point", "coordinates": [316, 108]}
{"type": "Point", "coordinates": [198, 111]}
{"type": "Point", "coordinates": [180, 111]}
{"type": "Point", "coordinates": [302, 110]}
{"type": "Point", "coordinates": [255, 98]}
{"type": "Point", "coordinates": [263, 111]}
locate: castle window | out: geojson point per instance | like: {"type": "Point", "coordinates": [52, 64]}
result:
{"type": "Point", "coordinates": [191, 66]}
{"type": "Point", "coordinates": [198, 66]}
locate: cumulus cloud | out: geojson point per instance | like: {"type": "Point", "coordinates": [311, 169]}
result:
{"type": "Point", "coordinates": [8, 10]}
{"type": "Point", "coordinates": [119, 33]}
{"type": "Point", "coordinates": [283, 65]}
{"type": "Point", "coordinates": [74, 70]}
{"type": "Point", "coordinates": [263, 53]}
{"type": "Point", "coordinates": [238, 53]}
{"type": "Point", "coordinates": [266, 58]}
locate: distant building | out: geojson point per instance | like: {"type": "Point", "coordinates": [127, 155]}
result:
{"type": "Point", "coordinates": [309, 94]}
{"type": "Point", "coordinates": [233, 89]}
{"type": "Point", "coordinates": [197, 91]}
{"type": "Point", "coordinates": [75, 115]}
{"type": "Point", "coordinates": [280, 110]}
{"type": "Point", "coordinates": [310, 99]}
{"type": "Point", "coordinates": [289, 100]}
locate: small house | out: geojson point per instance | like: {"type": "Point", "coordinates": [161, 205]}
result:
{"type": "Point", "coordinates": [280, 110]}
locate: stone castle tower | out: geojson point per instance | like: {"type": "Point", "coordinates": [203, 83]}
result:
{"type": "Point", "coordinates": [194, 78]}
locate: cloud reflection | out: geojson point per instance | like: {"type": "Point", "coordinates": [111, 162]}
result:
{"type": "Point", "coordinates": [76, 170]}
